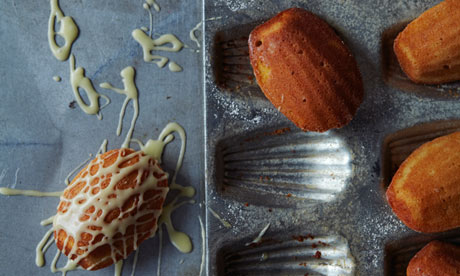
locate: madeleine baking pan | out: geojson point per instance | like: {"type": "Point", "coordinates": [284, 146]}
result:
{"type": "Point", "coordinates": [321, 195]}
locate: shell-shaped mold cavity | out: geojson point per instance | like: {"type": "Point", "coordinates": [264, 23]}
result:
{"type": "Point", "coordinates": [231, 65]}
{"type": "Point", "coordinates": [399, 145]}
{"type": "Point", "coordinates": [283, 167]}
{"type": "Point", "coordinates": [398, 253]}
{"type": "Point", "coordinates": [395, 76]}
{"type": "Point", "coordinates": [297, 255]}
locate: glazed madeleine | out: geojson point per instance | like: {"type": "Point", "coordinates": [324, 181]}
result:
{"type": "Point", "coordinates": [435, 259]}
{"type": "Point", "coordinates": [110, 207]}
{"type": "Point", "coordinates": [428, 49]}
{"type": "Point", "coordinates": [425, 191]}
{"type": "Point", "coordinates": [306, 70]}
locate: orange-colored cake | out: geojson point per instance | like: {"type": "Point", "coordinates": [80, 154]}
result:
{"type": "Point", "coordinates": [435, 259]}
{"type": "Point", "coordinates": [428, 49]}
{"type": "Point", "coordinates": [306, 70]}
{"type": "Point", "coordinates": [425, 191]}
{"type": "Point", "coordinates": [110, 207]}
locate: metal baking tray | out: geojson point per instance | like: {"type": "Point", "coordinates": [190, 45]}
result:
{"type": "Point", "coordinates": [322, 194]}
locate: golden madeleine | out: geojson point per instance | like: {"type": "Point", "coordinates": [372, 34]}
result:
{"type": "Point", "coordinates": [428, 49]}
{"type": "Point", "coordinates": [110, 207]}
{"type": "Point", "coordinates": [306, 70]}
{"type": "Point", "coordinates": [435, 259]}
{"type": "Point", "coordinates": [425, 191]}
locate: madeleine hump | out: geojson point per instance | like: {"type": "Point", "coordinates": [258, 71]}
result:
{"type": "Point", "coordinates": [435, 259]}
{"type": "Point", "coordinates": [428, 49]}
{"type": "Point", "coordinates": [110, 208]}
{"type": "Point", "coordinates": [425, 191]}
{"type": "Point", "coordinates": [305, 70]}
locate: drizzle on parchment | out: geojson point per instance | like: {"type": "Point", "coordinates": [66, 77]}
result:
{"type": "Point", "coordinates": [68, 30]}
{"type": "Point", "coordinates": [78, 80]}
{"type": "Point", "coordinates": [131, 93]}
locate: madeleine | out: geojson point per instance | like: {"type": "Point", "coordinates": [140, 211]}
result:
{"type": "Point", "coordinates": [428, 49]}
{"type": "Point", "coordinates": [110, 207]}
{"type": "Point", "coordinates": [305, 70]}
{"type": "Point", "coordinates": [425, 191]}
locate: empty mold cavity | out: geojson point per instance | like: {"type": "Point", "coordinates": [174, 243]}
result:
{"type": "Point", "coordinates": [283, 167]}
{"type": "Point", "coordinates": [395, 76]}
{"type": "Point", "coordinates": [398, 146]}
{"type": "Point", "coordinates": [231, 64]}
{"type": "Point", "coordinates": [399, 253]}
{"type": "Point", "coordinates": [294, 255]}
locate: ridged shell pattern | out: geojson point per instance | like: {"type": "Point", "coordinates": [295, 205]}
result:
{"type": "Point", "coordinates": [298, 255]}
{"type": "Point", "coordinates": [234, 69]}
{"type": "Point", "coordinates": [286, 164]}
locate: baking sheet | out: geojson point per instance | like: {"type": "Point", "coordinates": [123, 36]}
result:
{"type": "Point", "coordinates": [42, 139]}
{"type": "Point", "coordinates": [257, 174]}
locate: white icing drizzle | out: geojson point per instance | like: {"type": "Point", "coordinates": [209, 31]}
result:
{"type": "Point", "coordinates": [186, 191]}
{"type": "Point", "coordinates": [155, 148]}
{"type": "Point", "coordinates": [48, 244]}
{"type": "Point", "coordinates": [136, 255]}
{"type": "Point", "coordinates": [103, 147]}
{"type": "Point", "coordinates": [203, 246]}
{"type": "Point", "coordinates": [131, 93]}
{"type": "Point", "coordinates": [154, 4]}
{"type": "Point", "coordinates": [78, 80]}
{"type": "Point", "coordinates": [174, 67]}
{"type": "Point", "coordinates": [81, 165]}
{"type": "Point", "coordinates": [47, 221]}
{"type": "Point", "coordinates": [40, 249]}
{"type": "Point", "coordinates": [57, 78]}
{"type": "Point", "coordinates": [14, 192]}
{"type": "Point", "coordinates": [192, 34]}
{"type": "Point", "coordinates": [68, 30]}
{"type": "Point", "coordinates": [148, 45]}
{"type": "Point", "coordinates": [118, 268]}
{"type": "Point", "coordinates": [147, 8]}
{"type": "Point", "coordinates": [216, 215]}
{"type": "Point", "coordinates": [165, 133]}
{"type": "Point", "coordinates": [70, 265]}
{"type": "Point", "coordinates": [259, 237]}
{"type": "Point", "coordinates": [180, 240]}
